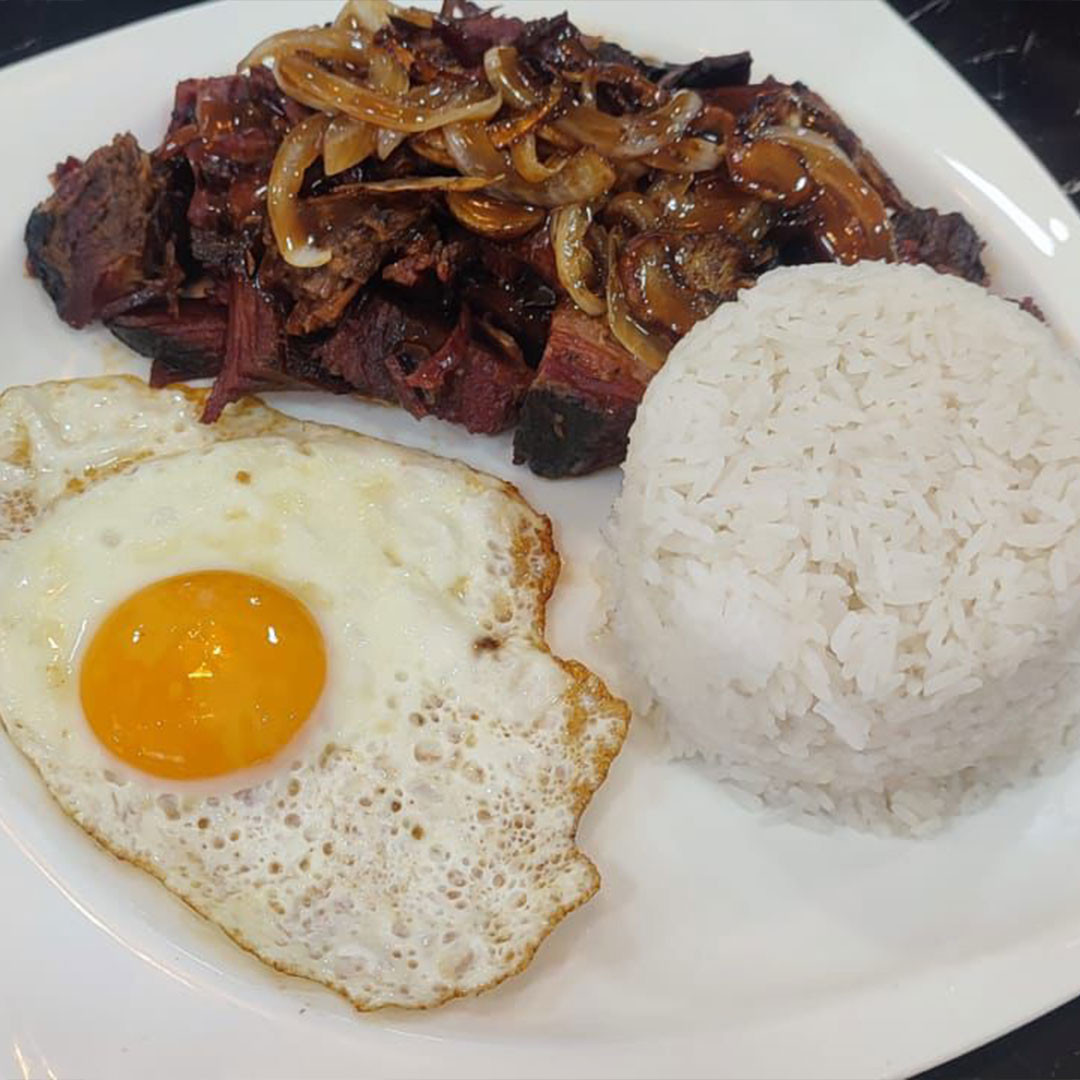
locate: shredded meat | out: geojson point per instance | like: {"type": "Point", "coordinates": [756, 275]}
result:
{"type": "Point", "coordinates": [226, 131]}
{"type": "Point", "coordinates": [425, 301]}
{"type": "Point", "coordinates": [469, 31]}
{"type": "Point", "coordinates": [947, 242]}
{"type": "Point", "coordinates": [424, 252]}
{"type": "Point", "coordinates": [100, 242]}
{"type": "Point", "coordinates": [373, 231]}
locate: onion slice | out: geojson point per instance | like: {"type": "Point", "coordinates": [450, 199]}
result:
{"type": "Point", "coordinates": [650, 262]}
{"type": "Point", "coordinates": [796, 166]}
{"type": "Point", "coordinates": [634, 135]}
{"type": "Point", "coordinates": [473, 152]}
{"type": "Point", "coordinates": [649, 349]}
{"type": "Point", "coordinates": [553, 135]}
{"type": "Point", "coordinates": [573, 260]}
{"type": "Point", "coordinates": [493, 217]}
{"type": "Point", "coordinates": [509, 130]}
{"type": "Point", "coordinates": [317, 88]}
{"type": "Point", "coordinates": [668, 187]}
{"type": "Point", "coordinates": [386, 74]}
{"type": "Point", "coordinates": [418, 183]}
{"type": "Point", "coordinates": [626, 77]}
{"type": "Point", "coordinates": [347, 142]}
{"type": "Point", "coordinates": [425, 20]}
{"type": "Point", "coordinates": [506, 77]}
{"type": "Point", "coordinates": [369, 15]}
{"type": "Point", "coordinates": [374, 15]}
{"type": "Point", "coordinates": [690, 154]}
{"type": "Point", "coordinates": [634, 207]}
{"type": "Point", "coordinates": [329, 43]}
{"type": "Point", "coordinates": [715, 204]}
{"type": "Point", "coordinates": [528, 165]}
{"type": "Point", "coordinates": [587, 87]}
{"type": "Point", "coordinates": [299, 149]}
{"type": "Point", "coordinates": [584, 177]}
{"type": "Point", "coordinates": [387, 141]}
{"type": "Point", "coordinates": [432, 146]}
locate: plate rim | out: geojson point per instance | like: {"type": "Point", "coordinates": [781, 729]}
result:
{"type": "Point", "coordinates": [1064, 209]}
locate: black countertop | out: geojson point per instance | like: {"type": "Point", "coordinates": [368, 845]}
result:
{"type": "Point", "coordinates": [1023, 57]}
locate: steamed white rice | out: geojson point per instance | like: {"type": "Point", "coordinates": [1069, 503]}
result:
{"type": "Point", "coordinates": [845, 564]}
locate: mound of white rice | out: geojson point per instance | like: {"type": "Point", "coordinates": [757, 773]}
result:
{"type": "Point", "coordinates": [845, 562]}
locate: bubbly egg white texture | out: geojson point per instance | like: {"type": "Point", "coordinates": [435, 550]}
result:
{"type": "Point", "coordinates": [415, 841]}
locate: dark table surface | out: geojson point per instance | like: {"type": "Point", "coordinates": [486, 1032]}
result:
{"type": "Point", "coordinates": [1023, 57]}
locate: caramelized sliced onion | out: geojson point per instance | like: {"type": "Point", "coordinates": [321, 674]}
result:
{"type": "Point", "coordinates": [414, 16]}
{"type": "Point", "coordinates": [587, 86]}
{"type": "Point", "coordinates": [506, 77]}
{"type": "Point", "coordinates": [329, 43]}
{"type": "Point", "coordinates": [573, 260]}
{"type": "Point", "coordinates": [432, 146]}
{"type": "Point", "coordinates": [628, 173]}
{"type": "Point", "coordinates": [473, 152]}
{"type": "Point", "coordinates": [320, 89]}
{"type": "Point", "coordinates": [369, 15]}
{"type": "Point", "coordinates": [299, 149]}
{"type": "Point", "coordinates": [647, 263]}
{"type": "Point", "coordinates": [649, 349]}
{"type": "Point", "coordinates": [636, 134]}
{"type": "Point", "coordinates": [854, 221]}
{"type": "Point", "coordinates": [799, 168]}
{"type": "Point", "coordinates": [420, 183]}
{"type": "Point", "coordinates": [690, 154]}
{"type": "Point", "coordinates": [387, 141]}
{"type": "Point", "coordinates": [627, 78]}
{"type": "Point", "coordinates": [553, 135]}
{"type": "Point", "coordinates": [771, 171]}
{"type": "Point", "coordinates": [811, 143]}
{"type": "Point", "coordinates": [347, 142]}
{"type": "Point", "coordinates": [714, 204]}
{"type": "Point", "coordinates": [584, 177]}
{"type": "Point", "coordinates": [509, 130]}
{"type": "Point", "coordinates": [669, 186]}
{"type": "Point", "coordinates": [493, 217]}
{"type": "Point", "coordinates": [528, 165]}
{"type": "Point", "coordinates": [638, 209]}
{"type": "Point", "coordinates": [386, 74]}
{"type": "Point", "coordinates": [375, 15]}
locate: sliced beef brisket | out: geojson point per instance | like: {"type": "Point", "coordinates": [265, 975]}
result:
{"type": "Point", "coordinates": [406, 353]}
{"type": "Point", "coordinates": [577, 414]}
{"type": "Point", "coordinates": [185, 342]}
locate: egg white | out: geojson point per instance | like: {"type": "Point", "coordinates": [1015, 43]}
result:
{"type": "Point", "coordinates": [415, 841]}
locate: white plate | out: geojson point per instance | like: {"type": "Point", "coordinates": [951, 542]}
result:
{"type": "Point", "coordinates": [719, 944]}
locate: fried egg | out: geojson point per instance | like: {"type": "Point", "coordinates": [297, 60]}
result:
{"type": "Point", "coordinates": [298, 675]}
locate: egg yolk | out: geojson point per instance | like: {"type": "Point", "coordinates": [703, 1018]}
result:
{"type": "Point", "coordinates": [202, 674]}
